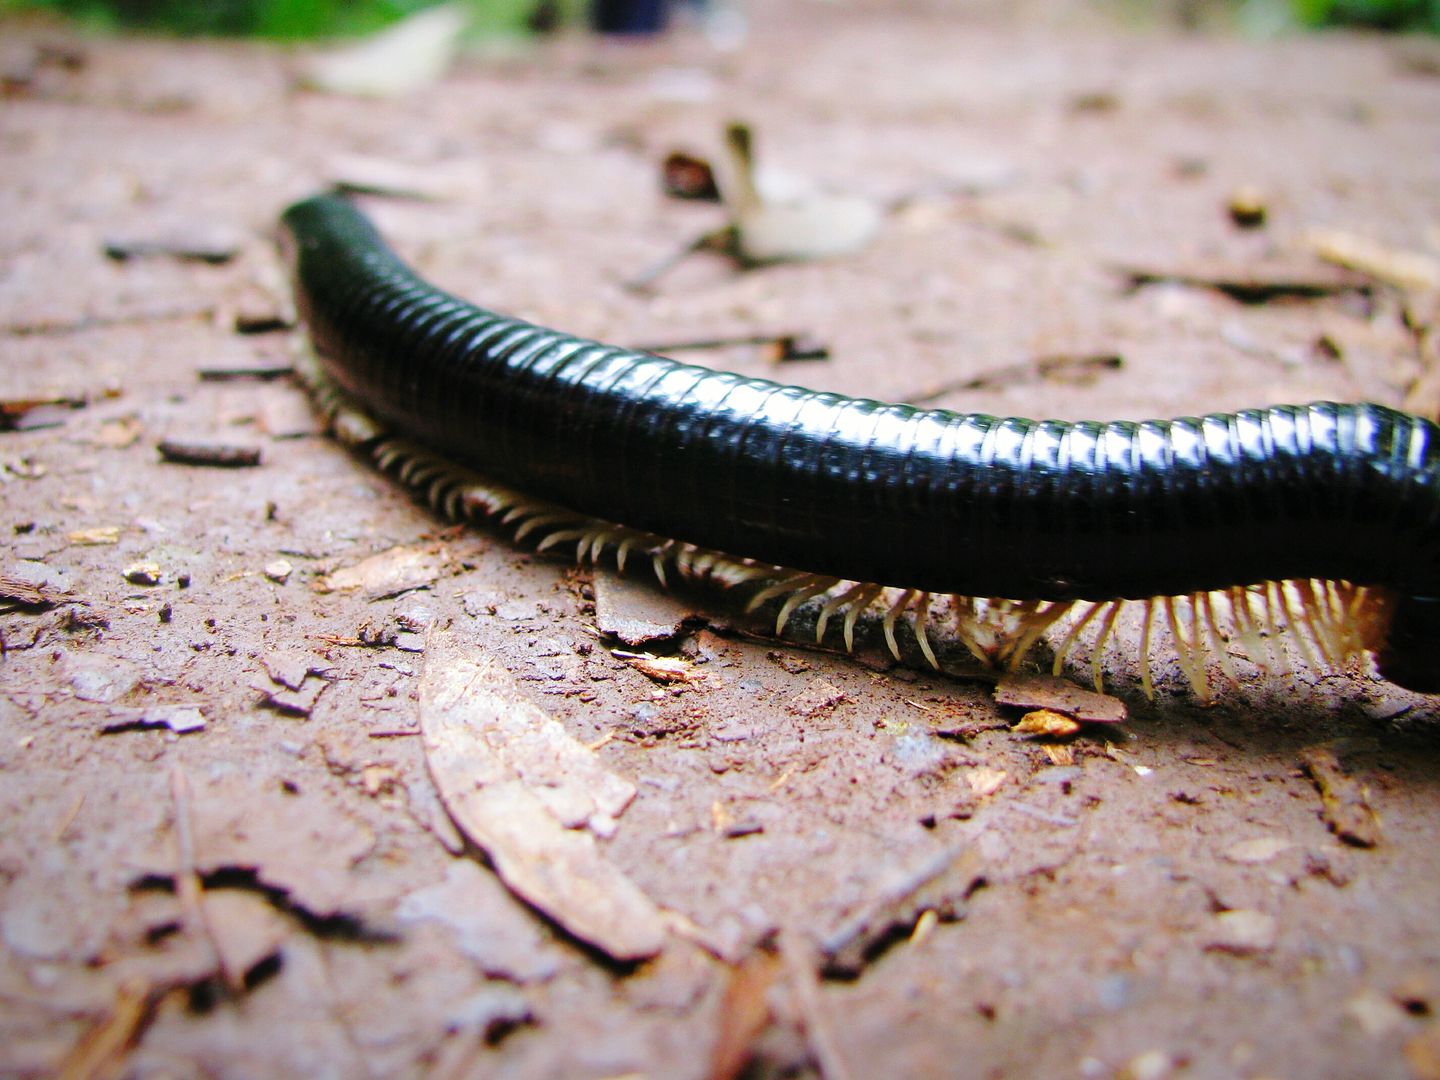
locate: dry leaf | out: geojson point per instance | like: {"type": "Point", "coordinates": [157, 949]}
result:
{"type": "Point", "coordinates": [1394, 266]}
{"type": "Point", "coordinates": [772, 228]}
{"type": "Point", "coordinates": [663, 669]}
{"type": "Point", "coordinates": [1059, 695]}
{"type": "Point", "coordinates": [408, 56]}
{"type": "Point", "coordinates": [100, 534]}
{"type": "Point", "coordinates": [636, 612]}
{"type": "Point", "coordinates": [390, 572]}
{"type": "Point", "coordinates": [1046, 723]}
{"type": "Point", "coordinates": [471, 717]}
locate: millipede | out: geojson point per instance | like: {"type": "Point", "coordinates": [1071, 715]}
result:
{"type": "Point", "coordinates": [1233, 534]}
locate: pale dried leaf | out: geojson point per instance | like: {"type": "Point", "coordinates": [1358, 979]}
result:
{"type": "Point", "coordinates": [244, 927]}
{"type": "Point", "coordinates": [390, 572]}
{"type": "Point", "coordinates": [470, 716]}
{"type": "Point", "coordinates": [1259, 850]}
{"type": "Point", "coordinates": [663, 669]}
{"type": "Point", "coordinates": [408, 56]}
{"type": "Point", "coordinates": [1394, 266]}
{"type": "Point", "coordinates": [1047, 723]}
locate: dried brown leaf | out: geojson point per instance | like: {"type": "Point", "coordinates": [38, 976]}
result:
{"type": "Point", "coordinates": [390, 572]}
{"type": "Point", "coordinates": [474, 724]}
{"type": "Point", "coordinates": [1061, 696]}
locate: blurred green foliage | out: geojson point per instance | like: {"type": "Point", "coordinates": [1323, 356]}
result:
{"type": "Point", "coordinates": [1380, 14]}
{"type": "Point", "coordinates": [307, 19]}
{"type": "Point", "coordinates": [282, 19]}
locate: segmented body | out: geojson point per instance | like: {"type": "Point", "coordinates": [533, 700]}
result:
{"type": "Point", "coordinates": [1044, 513]}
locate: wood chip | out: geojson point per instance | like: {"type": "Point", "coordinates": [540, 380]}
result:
{"type": "Point", "coordinates": [261, 369]}
{"type": "Point", "coordinates": [216, 455]}
{"type": "Point", "coordinates": [100, 534]}
{"type": "Point", "coordinates": [1394, 266]}
{"type": "Point", "coordinates": [181, 719]}
{"type": "Point", "coordinates": [298, 702]}
{"type": "Point", "coordinates": [1061, 696]}
{"type": "Point", "coordinates": [41, 411]}
{"type": "Point", "coordinates": [1242, 931]}
{"type": "Point", "coordinates": [636, 612]}
{"type": "Point", "coordinates": [290, 667]}
{"type": "Point", "coordinates": [24, 592]}
{"type": "Point", "coordinates": [744, 1012]}
{"type": "Point", "coordinates": [188, 244]}
{"type": "Point", "coordinates": [1259, 850]}
{"type": "Point", "coordinates": [1376, 1014]}
{"type": "Point", "coordinates": [358, 174]}
{"type": "Point", "coordinates": [939, 884]}
{"type": "Point", "coordinates": [391, 572]}
{"type": "Point", "coordinates": [1345, 803]}
{"type": "Point", "coordinates": [285, 414]}
{"type": "Point", "coordinates": [663, 669]}
{"type": "Point", "coordinates": [489, 751]}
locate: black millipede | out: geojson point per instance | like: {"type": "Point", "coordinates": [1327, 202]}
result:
{"type": "Point", "coordinates": [1318, 524]}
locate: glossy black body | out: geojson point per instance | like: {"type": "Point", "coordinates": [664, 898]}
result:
{"type": "Point", "coordinates": [922, 498]}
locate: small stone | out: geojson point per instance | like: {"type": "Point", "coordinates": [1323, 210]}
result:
{"type": "Point", "coordinates": [1243, 931]}
{"type": "Point", "coordinates": [1247, 207]}
{"type": "Point", "coordinates": [142, 573]}
{"type": "Point", "coordinates": [1261, 849]}
{"type": "Point", "coordinates": [1376, 1014]}
{"type": "Point", "coordinates": [279, 571]}
{"type": "Point", "coordinates": [1151, 1065]}
{"type": "Point", "coordinates": [984, 780]}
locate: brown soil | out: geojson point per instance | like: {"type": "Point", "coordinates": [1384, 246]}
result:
{"type": "Point", "coordinates": [280, 891]}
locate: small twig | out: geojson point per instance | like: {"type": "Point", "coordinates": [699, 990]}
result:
{"type": "Point", "coordinates": [15, 412]}
{"type": "Point", "coordinates": [188, 887]}
{"type": "Point", "coordinates": [1044, 367]}
{"type": "Point", "coordinates": [783, 348]}
{"type": "Point", "coordinates": [800, 967]}
{"type": "Point", "coordinates": [100, 1049]}
{"type": "Point", "coordinates": [47, 327]}
{"type": "Point", "coordinates": [1249, 289]}
{"type": "Point", "coordinates": [722, 239]}
{"type": "Point", "coordinates": [70, 817]}
{"type": "Point", "coordinates": [220, 455]}
{"type": "Point", "coordinates": [245, 371]}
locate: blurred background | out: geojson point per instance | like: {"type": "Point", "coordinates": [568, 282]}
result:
{"type": "Point", "coordinates": [308, 19]}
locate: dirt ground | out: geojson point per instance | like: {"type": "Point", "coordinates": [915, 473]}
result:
{"type": "Point", "coordinates": [238, 706]}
